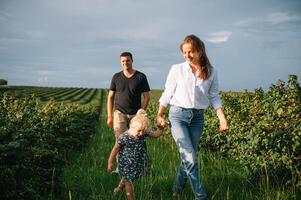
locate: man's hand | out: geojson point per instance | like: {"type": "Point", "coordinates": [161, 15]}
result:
{"type": "Point", "coordinates": [110, 122]}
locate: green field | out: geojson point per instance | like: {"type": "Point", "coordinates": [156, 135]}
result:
{"type": "Point", "coordinates": [224, 171]}
{"type": "Point", "coordinates": [58, 94]}
{"type": "Point", "coordinates": [224, 178]}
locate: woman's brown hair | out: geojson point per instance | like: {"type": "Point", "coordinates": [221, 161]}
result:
{"type": "Point", "coordinates": [199, 46]}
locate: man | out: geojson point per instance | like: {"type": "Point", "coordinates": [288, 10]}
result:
{"type": "Point", "coordinates": [124, 95]}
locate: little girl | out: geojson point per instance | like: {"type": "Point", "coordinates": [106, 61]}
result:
{"type": "Point", "coordinates": [131, 146]}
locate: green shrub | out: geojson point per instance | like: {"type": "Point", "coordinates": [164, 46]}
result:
{"type": "Point", "coordinates": [34, 143]}
{"type": "Point", "coordinates": [265, 130]}
{"type": "Point", "coordinates": [3, 82]}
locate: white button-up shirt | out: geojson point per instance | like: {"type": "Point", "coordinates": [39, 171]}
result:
{"type": "Point", "coordinates": [186, 90]}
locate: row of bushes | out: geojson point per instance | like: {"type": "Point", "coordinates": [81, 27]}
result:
{"type": "Point", "coordinates": [35, 140]}
{"type": "Point", "coordinates": [265, 130]}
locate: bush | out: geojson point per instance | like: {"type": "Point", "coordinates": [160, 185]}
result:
{"type": "Point", "coordinates": [265, 130]}
{"type": "Point", "coordinates": [3, 82]}
{"type": "Point", "coordinates": [34, 143]}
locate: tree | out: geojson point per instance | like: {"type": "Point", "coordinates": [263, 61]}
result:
{"type": "Point", "coordinates": [3, 82]}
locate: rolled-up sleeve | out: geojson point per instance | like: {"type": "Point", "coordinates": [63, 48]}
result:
{"type": "Point", "coordinates": [213, 93]}
{"type": "Point", "coordinates": [170, 86]}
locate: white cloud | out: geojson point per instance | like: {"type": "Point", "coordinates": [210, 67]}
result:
{"type": "Point", "coordinates": [274, 18]}
{"type": "Point", "coordinates": [219, 37]}
{"type": "Point", "coordinates": [245, 22]}
{"type": "Point", "coordinates": [280, 17]}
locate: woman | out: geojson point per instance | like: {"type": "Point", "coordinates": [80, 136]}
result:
{"type": "Point", "coordinates": [189, 89]}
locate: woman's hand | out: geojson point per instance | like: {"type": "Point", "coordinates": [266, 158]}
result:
{"type": "Point", "coordinates": [223, 126]}
{"type": "Point", "coordinates": [222, 120]}
{"type": "Point", "coordinates": [161, 122]}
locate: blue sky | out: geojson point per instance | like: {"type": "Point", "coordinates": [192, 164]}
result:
{"type": "Point", "coordinates": [77, 43]}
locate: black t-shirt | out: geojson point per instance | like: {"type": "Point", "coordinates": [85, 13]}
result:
{"type": "Point", "coordinates": [128, 91]}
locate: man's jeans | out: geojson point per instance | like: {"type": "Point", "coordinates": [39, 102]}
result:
{"type": "Point", "coordinates": [187, 127]}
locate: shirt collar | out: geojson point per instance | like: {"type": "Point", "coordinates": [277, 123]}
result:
{"type": "Point", "coordinates": [187, 66]}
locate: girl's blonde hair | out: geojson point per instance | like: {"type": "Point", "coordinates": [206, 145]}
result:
{"type": "Point", "coordinates": [140, 120]}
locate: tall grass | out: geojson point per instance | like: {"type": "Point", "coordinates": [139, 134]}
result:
{"type": "Point", "coordinates": [86, 178]}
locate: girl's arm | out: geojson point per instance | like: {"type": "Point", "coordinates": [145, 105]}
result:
{"type": "Point", "coordinates": [112, 157]}
{"type": "Point", "coordinates": [155, 134]}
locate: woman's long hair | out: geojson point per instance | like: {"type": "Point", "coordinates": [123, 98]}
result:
{"type": "Point", "coordinates": [199, 46]}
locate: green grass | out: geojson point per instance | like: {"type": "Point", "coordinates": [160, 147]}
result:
{"type": "Point", "coordinates": [86, 176]}
{"type": "Point", "coordinates": [155, 94]}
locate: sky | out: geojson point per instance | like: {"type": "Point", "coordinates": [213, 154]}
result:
{"type": "Point", "coordinates": [77, 43]}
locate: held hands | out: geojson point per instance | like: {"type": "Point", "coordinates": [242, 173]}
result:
{"type": "Point", "coordinates": [161, 122]}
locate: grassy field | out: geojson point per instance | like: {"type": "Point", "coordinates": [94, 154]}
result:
{"type": "Point", "coordinates": [85, 176]}
{"type": "Point", "coordinates": [57, 94]}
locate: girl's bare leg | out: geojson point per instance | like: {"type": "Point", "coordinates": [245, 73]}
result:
{"type": "Point", "coordinates": [129, 190]}
{"type": "Point", "coordinates": [119, 187]}
{"type": "Point", "coordinates": [121, 184]}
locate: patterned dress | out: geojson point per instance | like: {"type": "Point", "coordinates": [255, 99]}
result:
{"type": "Point", "coordinates": [132, 159]}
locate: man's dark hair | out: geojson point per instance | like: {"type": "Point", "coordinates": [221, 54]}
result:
{"type": "Point", "coordinates": [123, 54]}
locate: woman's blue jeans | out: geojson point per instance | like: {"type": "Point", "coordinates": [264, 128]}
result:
{"type": "Point", "coordinates": [187, 127]}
